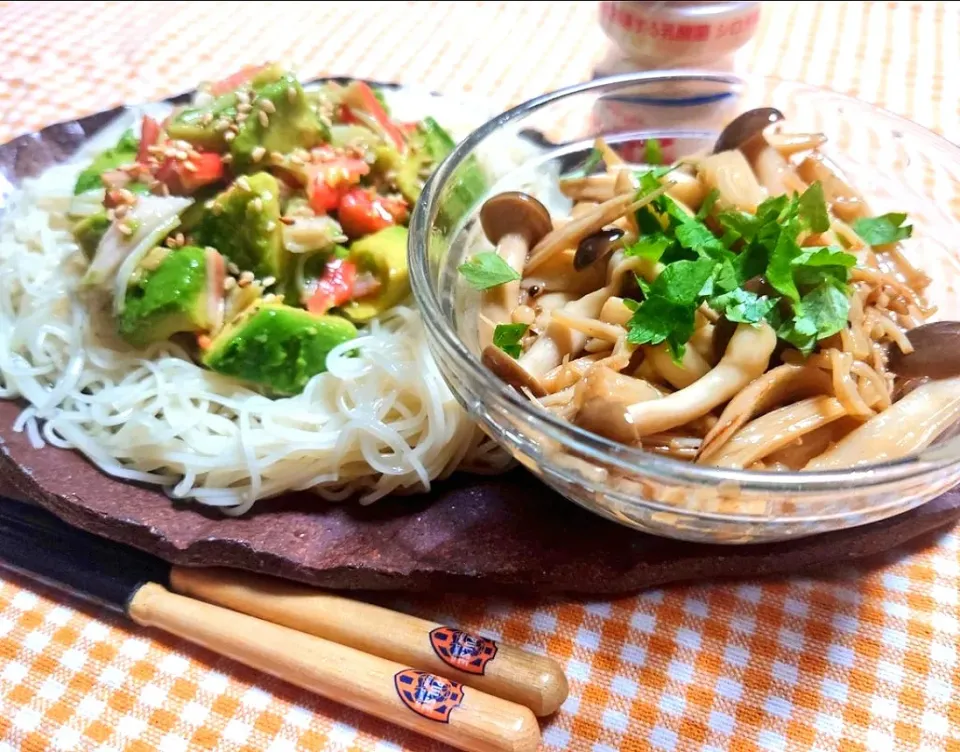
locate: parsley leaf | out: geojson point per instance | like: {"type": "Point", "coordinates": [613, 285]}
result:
{"type": "Point", "coordinates": [707, 206]}
{"type": "Point", "coordinates": [823, 312]}
{"type": "Point", "coordinates": [667, 312]}
{"type": "Point", "coordinates": [740, 224]}
{"type": "Point", "coordinates": [887, 228]}
{"type": "Point", "coordinates": [813, 208]}
{"type": "Point", "coordinates": [697, 237]}
{"type": "Point", "coordinates": [743, 306]}
{"type": "Point", "coordinates": [780, 268]}
{"type": "Point", "coordinates": [816, 265]}
{"type": "Point", "coordinates": [652, 152]}
{"type": "Point", "coordinates": [507, 337]}
{"type": "Point", "coordinates": [486, 270]}
{"type": "Point", "coordinates": [650, 246]}
{"type": "Point", "coordinates": [752, 261]}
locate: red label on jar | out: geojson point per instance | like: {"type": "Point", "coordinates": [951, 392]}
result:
{"type": "Point", "coordinates": [618, 14]}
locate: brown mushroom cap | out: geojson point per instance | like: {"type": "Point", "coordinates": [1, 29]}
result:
{"type": "Point", "coordinates": [515, 213]}
{"type": "Point", "coordinates": [745, 126]}
{"type": "Point", "coordinates": [594, 247]}
{"type": "Point", "coordinates": [510, 371]}
{"type": "Point", "coordinates": [936, 352]}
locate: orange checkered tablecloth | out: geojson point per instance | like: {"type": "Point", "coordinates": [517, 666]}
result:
{"type": "Point", "coordinates": [863, 659]}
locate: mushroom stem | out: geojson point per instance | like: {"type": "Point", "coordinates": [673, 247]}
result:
{"type": "Point", "coordinates": [746, 359]}
{"type": "Point", "coordinates": [908, 426]}
{"type": "Point", "coordinates": [497, 303]}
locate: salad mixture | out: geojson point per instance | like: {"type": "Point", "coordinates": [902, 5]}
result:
{"type": "Point", "coordinates": [260, 225]}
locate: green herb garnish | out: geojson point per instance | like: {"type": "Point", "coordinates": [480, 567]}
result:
{"type": "Point", "coordinates": [508, 336]}
{"type": "Point", "coordinates": [486, 270]}
{"type": "Point", "coordinates": [650, 246]}
{"type": "Point", "coordinates": [813, 208]}
{"type": "Point", "coordinates": [887, 228]}
{"type": "Point", "coordinates": [653, 152]}
{"type": "Point", "coordinates": [821, 313]}
{"type": "Point", "coordinates": [708, 202]}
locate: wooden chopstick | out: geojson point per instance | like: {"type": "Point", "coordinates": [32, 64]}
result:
{"type": "Point", "coordinates": [534, 681]}
{"type": "Point", "coordinates": [431, 705]}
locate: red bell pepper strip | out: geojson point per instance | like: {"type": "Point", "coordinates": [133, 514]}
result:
{"type": "Point", "coordinates": [332, 179]}
{"type": "Point", "coordinates": [334, 288]}
{"type": "Point", "coordinates": [236, 80]}
{"type": "Point", "coordinates": [362, 212]}
{"type": "Point", "coordinates": [181, 179]}
{"type": "Point", "coordinates": [149, 135]}
{"type": "Point", "coordinates": [359, 95]}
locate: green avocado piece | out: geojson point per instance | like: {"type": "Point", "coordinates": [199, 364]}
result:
{"type": "Point", "coordinates": [244, 225]}
{"type": "Point", "coordinates": [171, 298]}
{"type": "Point", "coordinates": [198, 125]}
{"type": "Point", "coordinates": [89, 231]}
{"type": "Point", "coordinates": [123, 153]}
{"type": "Point", "coordinates": [293, 124]}
{"type": "Point", "coordinates": [385, 255]}
{"type": "Point", "coordinates": [277, 346]}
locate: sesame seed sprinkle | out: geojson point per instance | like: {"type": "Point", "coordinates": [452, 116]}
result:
{"type": "Point", "coordinates": [257, 204]}
{"type": "Point", "coordinates": [269, 298]}
{"type": "Point", "coordinates": [268, 106]}
{"type": "Point", "coordinates": [189, 166]}
{"type": "Point", "coordinates": [244, 107]}
{"type": "Point", "coordinates": [221, 125]}
{"type": "Point", "coordinates": [209, 249]}
{"type": "Point", "coordinates": [229, 136]}
{"type": "Point", "coordinates": [233, 268]}
{"type": "Point", "coordinates": [111, 214]}
{"type": "Point", "coordinates": [296, 159]}
{"type": "Point", "coordinates": [269, 281]}
{"type": "Point", "coordinates": [257, 154]}
{"type": "Point", "coordinates": [270, 226]}
{"type": "Point", "coordinates": [243, 184]}
{"type": "Point", "coordinates": [208, 204]}
{"type": "Point", "coordinates": [207, 118]}
{"type": "Point", "coordinates": [291, 94]}
{"type": "Point", "coordinates": [276, 156]}
{"type": "Point", "coordinates": [229, 283]}
{"type": "Point", "coordinates": [125, 229]}
{"type": "Point", "coordinates": [262, 117]}
{"type": "Point", "coordinates": [226, 158]}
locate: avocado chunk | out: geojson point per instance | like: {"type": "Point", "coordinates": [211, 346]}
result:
{"type": "Point", "coordinates": [123, 153]}
{"type": "Point", "coordinates": [276, 346]}
{"type": "Point", "coordinates": [170, 298]}
{"type": "Point", "coordinates": [430, 144]}
{"type": "Point", "coordinates": [384, 254]}
{"type": "Point", "coordinates": [89, 231]}
{"type": "Point", "coordinates": [198, 125]}
{"type": "Point", "coordinates": [291, 125]}
{"type": "Point", "coordinates": [243, 223]}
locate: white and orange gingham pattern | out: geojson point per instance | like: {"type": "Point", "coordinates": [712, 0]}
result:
{"type": "Point", "coordinates": [864, 658]}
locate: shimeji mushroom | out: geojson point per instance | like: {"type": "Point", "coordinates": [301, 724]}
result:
{"type": "Point", "coordinates": [745, 359]}
{"type": "Point", "coordinates": [513, 222]}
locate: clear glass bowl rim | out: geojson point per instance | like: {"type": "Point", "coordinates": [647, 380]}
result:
{"type": "Point", "coordinates": [500, 397]}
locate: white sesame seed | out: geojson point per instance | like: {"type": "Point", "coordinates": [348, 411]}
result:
{"type": "Point", "coordinates": [233, 268]}
{"type": "Point", "coordinates": [291, 94]}
{"type": "Point", "coordinates": [266, 195]}
{"type": "Point", "coordinates": [209, 249]}
{"type": "Point", "coordinates": [229, 283]}
{"type": "Point", "coordinates": [276, 156]}
{"type": "Point", "coordinates": [296, 159]}
{"type": "Point", "coordinates": [221, 125]}
{"type": "Point", "coordinates": [180, 154]}
{"type": "Point", "coordinates": [111, 214]}
{"type": "Point", "coordinates": [125, 229]}
{"type": "Point", "coordinates": [207, 118]}
{"type": "Point", "coordinates": [244, 107]}
{"type": "Point", "coordinates": [262, 117]}
{"type": "Point", "coordinates": [208, 204]}
{"type": "Point", "coordinates": [120, 212]}
{"type": "Point", "coordinates": [189, 166]}
{"type": "Point", "coordinates": [226, 158]}
{"type": "Point", "coordinates": [269, 281]}
{"type": "Point", "coordinates": [229, 136]}
{"type": "Point", "coordinates": [257, 154]}
{"type": "Point", "coordinates": [270, 226]}
{"type": "Point", "coordinates": [257, 204]}
{"type": "Point", "coordinates": [243, 183]}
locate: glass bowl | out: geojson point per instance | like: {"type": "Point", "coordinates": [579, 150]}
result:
{"type": "Point", "coordinates": [898, 165]}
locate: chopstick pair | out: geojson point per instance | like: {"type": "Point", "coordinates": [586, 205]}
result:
{"type": "Point", "coordinates": [470, 692]}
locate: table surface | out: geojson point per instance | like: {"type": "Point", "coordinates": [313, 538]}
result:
{"type": "Point", "coordinates": [863, 659]}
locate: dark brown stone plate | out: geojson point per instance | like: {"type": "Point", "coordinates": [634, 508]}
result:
{"type": "Point", "coordinates": [468, 534]}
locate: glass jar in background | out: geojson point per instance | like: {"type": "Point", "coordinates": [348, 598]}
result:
{"type": "Point", "coordinates": [660, 35]}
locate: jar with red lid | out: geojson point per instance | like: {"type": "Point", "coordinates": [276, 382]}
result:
{"type": "Point", "coordinates": [675, 34]}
